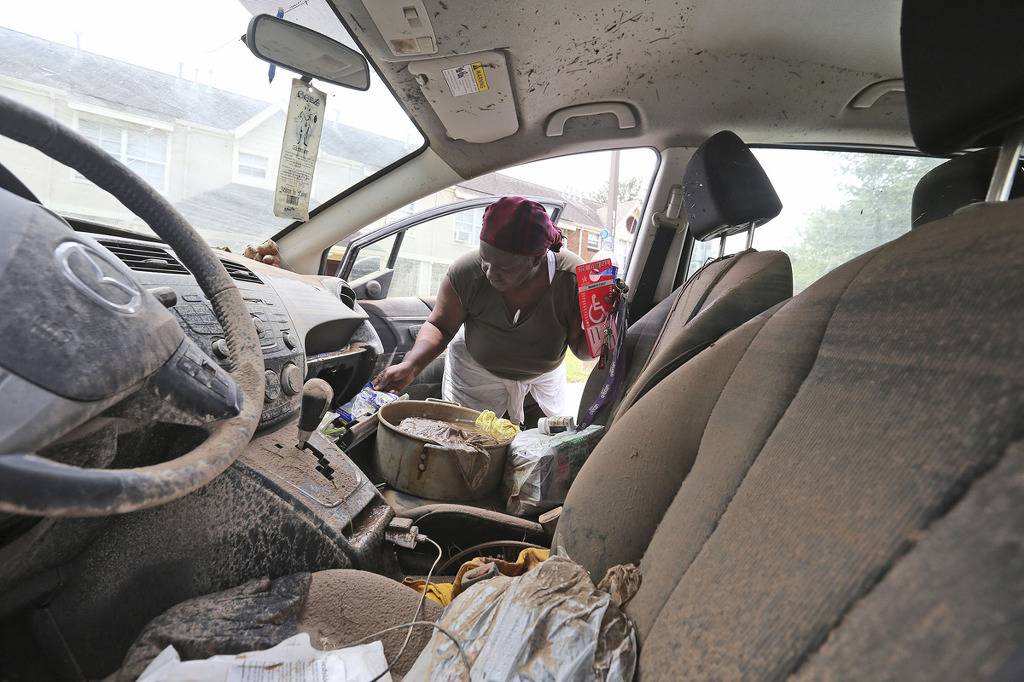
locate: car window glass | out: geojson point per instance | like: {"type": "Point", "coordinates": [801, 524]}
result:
{"type": "Point", "coordinates": [372, 258]}
{"type": "Point", "coordinates": [836, 206]}
{"type": "Point", "coordinates": [430, 247]}
{"type": "Point", "coordinates": [701, 253]}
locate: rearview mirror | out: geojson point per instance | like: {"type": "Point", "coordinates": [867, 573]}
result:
{"type": "Point", "coordinates": [306, 52]}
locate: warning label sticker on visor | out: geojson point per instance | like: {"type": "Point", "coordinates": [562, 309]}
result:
{"type": "Point", "coordinates": [465, 80]}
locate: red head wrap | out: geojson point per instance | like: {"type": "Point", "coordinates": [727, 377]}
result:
{"type": "Point", "coordinates": [520, 226]}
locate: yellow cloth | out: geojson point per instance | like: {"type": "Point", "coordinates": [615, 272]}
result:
{"type": "Point", "coordinates": [444, 593]}
{"type": "Point", "coordinates": [438, 592]}
{"type": "Point", "coordinates": [500, 429]}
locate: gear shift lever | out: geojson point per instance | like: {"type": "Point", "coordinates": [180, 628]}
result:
{"type": "Point", "coordinates": [316, 396]}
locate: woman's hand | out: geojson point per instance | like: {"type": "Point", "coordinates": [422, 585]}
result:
{"type": "Point", "coordinates": [430, 341]}
{"type": "Point", "coordinates": [395, 378]}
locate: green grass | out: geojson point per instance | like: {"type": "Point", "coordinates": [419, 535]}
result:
{"type": "Point", "coordinates": [577, 370]}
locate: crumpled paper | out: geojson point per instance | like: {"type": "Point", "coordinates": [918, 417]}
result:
{"type": "Point", "coordinates": [293, 660]}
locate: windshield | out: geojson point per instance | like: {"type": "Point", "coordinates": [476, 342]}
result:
{"type": "Point", "coordinates": [170, 90]}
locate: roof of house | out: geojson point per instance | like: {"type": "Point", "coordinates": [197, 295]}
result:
{"type": "Point", "coordinates": [219, 210]}
{"type": "Point", "coordinates": [579, 212]}
{"type": "Point", "coordinates": [369, 148]}
{"type": "Point", "coordinates": [107, 82]}
{"type": "Point", "coordinates": [347, 142]}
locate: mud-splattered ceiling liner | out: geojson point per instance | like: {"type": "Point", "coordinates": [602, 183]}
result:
{"type": "Point", "coordinates": [774, 71]}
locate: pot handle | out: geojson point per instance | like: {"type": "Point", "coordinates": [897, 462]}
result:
{"type": "Point", "coordinates": [425, 457]}
{"type": "Point", "coordinates": [443, 402]}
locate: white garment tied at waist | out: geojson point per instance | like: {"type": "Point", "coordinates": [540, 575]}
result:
{"type": "Point", "coordinates": [470, 384]}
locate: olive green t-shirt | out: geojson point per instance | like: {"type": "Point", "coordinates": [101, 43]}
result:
{"type": "Point", "coordinates": [536, 343]}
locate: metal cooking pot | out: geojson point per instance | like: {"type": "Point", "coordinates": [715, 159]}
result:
{"type": "Point", "coordinates": [416, 466]}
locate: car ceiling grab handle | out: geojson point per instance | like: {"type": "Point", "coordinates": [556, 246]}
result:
{"type": "Point", "coordinates": [620, 110]}
{"type": "Point", "coordinates": [870, 94]}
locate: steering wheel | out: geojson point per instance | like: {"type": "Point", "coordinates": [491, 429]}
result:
{"type": "Point", "coordinates": [81, 338]}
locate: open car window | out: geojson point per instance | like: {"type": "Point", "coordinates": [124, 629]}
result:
{"type": "Point", "coordinates": [835, 206]}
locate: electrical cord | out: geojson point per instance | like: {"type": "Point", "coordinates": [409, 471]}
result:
{"type": "Point", "coordinates": [410, 625]}
{"type": "Point", "coordinates": [415, 619]}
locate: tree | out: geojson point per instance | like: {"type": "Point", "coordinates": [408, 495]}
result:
{"type": "Point", "coordinates": [628, 190]}
{"type": "Point", "coordinates": [876, 209]}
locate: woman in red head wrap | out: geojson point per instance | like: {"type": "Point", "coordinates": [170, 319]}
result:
{"type": "Point", "coordinates": [507, 314]}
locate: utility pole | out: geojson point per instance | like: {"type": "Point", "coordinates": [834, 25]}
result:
{"type": "Point", "coordinates": [613, 194]}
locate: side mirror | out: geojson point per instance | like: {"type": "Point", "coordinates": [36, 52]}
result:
{"type": "Point", "coordinates": [306, 52]}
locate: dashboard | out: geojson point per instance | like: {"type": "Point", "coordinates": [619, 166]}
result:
{"type": "Point", "coordinates": [307, 326]}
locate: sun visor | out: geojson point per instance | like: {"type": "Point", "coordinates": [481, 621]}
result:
{"type": "Point", "coordinates": [471, 94]}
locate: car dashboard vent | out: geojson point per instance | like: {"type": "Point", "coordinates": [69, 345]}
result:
{"type": "Point", "coordinates": [239, 272]}
{"type": "Point", "coordinates": [144, 258]}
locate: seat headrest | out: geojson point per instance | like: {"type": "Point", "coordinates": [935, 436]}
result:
{"type": "Point", "coordinates": [963, 70]}
{"type": "Point", "coordinates": [959, 182]}
{"type": "Point", "coordinates": [725, 189]}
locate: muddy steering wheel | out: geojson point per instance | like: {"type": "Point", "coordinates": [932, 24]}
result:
{"type": "Point", "coordinates": [81, 337]}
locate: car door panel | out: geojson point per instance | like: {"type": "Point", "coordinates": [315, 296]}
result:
{"type": "Point", "coordinates": [397, 321]}
{"type": "Point", "coordinates": [374, 286]}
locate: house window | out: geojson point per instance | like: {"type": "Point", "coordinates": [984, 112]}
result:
{"type": "Point", "coordinates": [467, 226]}
{"type": "Point", "coordinates": [593, 241]}
{"type": "Point", "coordinates": [252, 165]}
{"type": "Point", "coordinates": [106, 137]}
{"type": "Point", "coordinates": [144, 151]}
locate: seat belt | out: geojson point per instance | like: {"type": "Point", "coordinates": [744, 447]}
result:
{"type": "Point", "coordinates": [667, 224]}
{"type": "Point", "coordinates": [643, 301]}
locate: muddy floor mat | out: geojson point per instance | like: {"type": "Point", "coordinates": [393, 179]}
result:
{"type": "Point", "coordinates": [252, 616]}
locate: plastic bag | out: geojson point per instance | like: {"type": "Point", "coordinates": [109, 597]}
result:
{"type": "Point", "coordinates": [548, 624]}
{"type": "Point", "coordinates": [364, 404]}
{"type": "Point", "coordinates": [539, 469]}
{"type": "Point", "coordinates": [496, 427]}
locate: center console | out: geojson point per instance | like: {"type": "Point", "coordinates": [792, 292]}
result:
{"type": "Point", "coordinates": [283, 359]}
